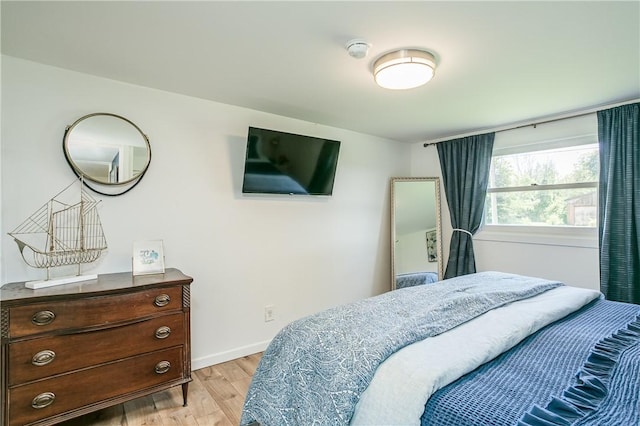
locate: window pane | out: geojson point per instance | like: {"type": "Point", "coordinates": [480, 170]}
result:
{"type": "Point", "coordinates": [554, 166]}
{"type": "Point", "coordinates": [569, 207]}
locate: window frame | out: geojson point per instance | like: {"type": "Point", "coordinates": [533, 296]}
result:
{"type": "Point", "coordinates": [565, 236]}
{"type": "Point", "coordinates": [555, 235]}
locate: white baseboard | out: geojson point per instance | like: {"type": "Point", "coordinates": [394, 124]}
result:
{"type": "Point", "coordinates": [220, 357]}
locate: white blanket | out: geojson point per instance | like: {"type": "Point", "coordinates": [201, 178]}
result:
{"type": "Point", "coordinates": [404, 382]}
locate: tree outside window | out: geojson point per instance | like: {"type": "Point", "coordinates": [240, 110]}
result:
{"type": "Point", "coordinates": [553, 187]}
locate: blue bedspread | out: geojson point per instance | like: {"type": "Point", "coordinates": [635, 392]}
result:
{"type": "Point", "coordinates": [415, 278]}
{"type": "Point", "coordinates": [549, 366]}
{"type": "Point", "coordinates": [315, 369]}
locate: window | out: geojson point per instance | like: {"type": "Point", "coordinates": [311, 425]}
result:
{"type": "Point", "coordinates": [544, 186]}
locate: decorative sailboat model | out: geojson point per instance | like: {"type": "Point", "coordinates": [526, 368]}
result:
{"type": "Point", "coordinates": [65, 231]}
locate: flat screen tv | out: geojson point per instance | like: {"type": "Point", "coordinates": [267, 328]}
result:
{"type": "Point", "coordinates": [286, 163]}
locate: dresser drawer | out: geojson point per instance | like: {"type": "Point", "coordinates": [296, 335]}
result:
{"type": "Point", "coordinates": [38, 358]}
{"type": "Point", "coordinates": [72, 391]}
{"type": "Point", "coordinates": [92, 311]}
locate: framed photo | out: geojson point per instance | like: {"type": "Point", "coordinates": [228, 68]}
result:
{"type": "Point", "coordinates": [148, 257]}
{"type": "Point", "coordinates": [432, 241]}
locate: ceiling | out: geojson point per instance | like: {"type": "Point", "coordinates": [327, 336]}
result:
{"type": "Point", "coordinates": [499, 63]}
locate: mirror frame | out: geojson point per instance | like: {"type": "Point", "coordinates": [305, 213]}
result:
{"type": "Point", "coordinates": [109, 188]}
{"type": "Point", "coordinates": [439, 250]}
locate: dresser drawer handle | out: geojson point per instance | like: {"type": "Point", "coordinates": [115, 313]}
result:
{"type": "Point", "coordinates": [163, 332]}
{"type": "Point", "coordinates": [43, 400]}
{"type": "Point", "coordinates": [162, 300]}
{"type": "Point", "coordinates": [43, 318]}
{"type": "Point", "coordinates": [43, 358]}
{"type": "Point", "coordinates": [162, 367]}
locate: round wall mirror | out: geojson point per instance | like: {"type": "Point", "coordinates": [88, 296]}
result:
{"type": "Point", "coordinates": [107, 149]}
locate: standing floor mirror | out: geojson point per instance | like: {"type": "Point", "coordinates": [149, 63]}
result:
{"type": "Point", "coordinates": [416, 243]}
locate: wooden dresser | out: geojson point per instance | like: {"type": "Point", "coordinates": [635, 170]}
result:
{"type": "Point", "coordinates": [76, 348]}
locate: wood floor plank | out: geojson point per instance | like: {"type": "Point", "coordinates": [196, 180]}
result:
{"type": "Point", "coordinates": [249, 363]}
{"type": "Point", "coordinates": [168, 405]}
{"type": "Point", "coordinates": [242, 385]}
{"type": "Point", "coordinates": [230, 370]}
{"type": "Point", "coordinates": [221, 389]}
{"type": "Point", "coordinates": [142, 411]}
{"type": "Point", "coordinates": [204, 408]}
{"type": "Point", "coordinates": [112, 416]}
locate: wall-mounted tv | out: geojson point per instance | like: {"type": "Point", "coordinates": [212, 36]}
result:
{"type": "Point", "coordinates": [286, 163]}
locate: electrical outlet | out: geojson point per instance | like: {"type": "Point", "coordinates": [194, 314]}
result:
{"type": "Point", "coordinates": [269, 313]}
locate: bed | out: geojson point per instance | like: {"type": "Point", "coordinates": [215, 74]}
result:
{"type": "Point", "coordinates": [486, 348]}
{"type": "Point", "coordinates": [411, 279]}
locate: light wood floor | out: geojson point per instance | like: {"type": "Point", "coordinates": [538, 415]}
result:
{"type": "Point", "coordinates": [216, 395]}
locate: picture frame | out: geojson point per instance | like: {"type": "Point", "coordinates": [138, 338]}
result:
{"type": "Point", "coordinates": [432, 251]}
{"type": "Point", "coordinates": [148, 257]}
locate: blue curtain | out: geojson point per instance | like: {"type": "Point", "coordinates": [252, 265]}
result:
{"type": "Point", "coordinates": [465, 166]}
{"type": "Point", "coordinates": [619, 202]}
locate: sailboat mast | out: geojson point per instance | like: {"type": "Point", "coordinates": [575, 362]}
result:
{"type": "Point", "coordinates": [81, 221]}
{"type": "Point", "coordinates": [51, 234]}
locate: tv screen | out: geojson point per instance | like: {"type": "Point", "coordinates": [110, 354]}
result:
{"type": "Point", "coordinates": [286, 163]}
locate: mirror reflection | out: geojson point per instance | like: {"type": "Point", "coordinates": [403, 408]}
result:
{"type": "Point", "coordinates": [107, 149]}
{"type": "Point", "coordinates": [416, 248]}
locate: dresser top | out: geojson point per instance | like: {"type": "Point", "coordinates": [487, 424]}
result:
{"type": "Point", "coordinates": [104, 284]}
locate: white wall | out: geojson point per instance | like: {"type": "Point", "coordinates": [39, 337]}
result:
{"type": "Point", "coordinates": [300, 254]}
{"type": "Point", "coordinates": [575, 265]}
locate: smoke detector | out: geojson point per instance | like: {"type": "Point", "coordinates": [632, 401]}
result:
{"type": "Point", "coordinates": [357, 48]}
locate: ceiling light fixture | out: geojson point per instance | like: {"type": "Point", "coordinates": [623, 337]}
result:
{"type": "Point", "coordinates": [404, 69]}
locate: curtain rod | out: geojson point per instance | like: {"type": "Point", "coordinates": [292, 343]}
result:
{"type": "Point", "coordinates": [533, 123]}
